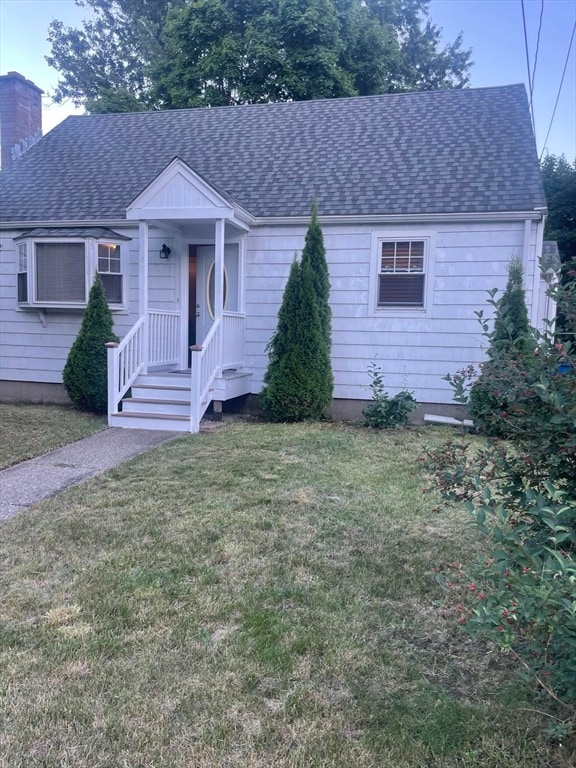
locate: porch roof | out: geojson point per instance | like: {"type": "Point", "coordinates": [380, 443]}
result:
{"type": "Point", "coordinates": [99, 233]}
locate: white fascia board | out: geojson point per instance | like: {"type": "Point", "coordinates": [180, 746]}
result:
{"type": "Point", "coordinates": [407, 218]}
{"type": "Point", "coordinates": [242, 215]}
{"type": "Point", "coordinates": [241, 223]}
{"type": "Point", "coordinates": [143, 214]}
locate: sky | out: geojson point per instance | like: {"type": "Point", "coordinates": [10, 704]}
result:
{"type": "Point", "coordinates": [492, 28]}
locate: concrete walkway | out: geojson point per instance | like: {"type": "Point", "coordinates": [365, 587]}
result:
{"type": "Point", "coordinates": [32, 481]}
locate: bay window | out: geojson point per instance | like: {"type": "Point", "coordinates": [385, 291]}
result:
{"type": "Point", "coordinates": [58, 272]}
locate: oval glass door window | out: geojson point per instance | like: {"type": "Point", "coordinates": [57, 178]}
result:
{"type": "Point", "coordinates": [211, 280]}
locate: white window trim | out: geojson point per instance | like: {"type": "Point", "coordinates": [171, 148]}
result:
{"type": "Point", "coordinates": [428, 236]}
{"type": "Point", "coordinates": [90, 268]}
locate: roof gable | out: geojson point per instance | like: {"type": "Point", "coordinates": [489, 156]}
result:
{"type": "Point", "coordinates": [179, 192]}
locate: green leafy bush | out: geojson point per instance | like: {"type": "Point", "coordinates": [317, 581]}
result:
{"type": "Point", "coordinates": [85, 374]}
{"type": "Point", "coordinates": [385, 412]}
{"type": "Point", "coordinates": [521, 493]}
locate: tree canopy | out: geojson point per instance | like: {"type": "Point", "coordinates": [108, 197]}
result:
{"type": "Point", "coordinates": [168, 54]}
{"type": "Point", "coordinates": [559, 178]}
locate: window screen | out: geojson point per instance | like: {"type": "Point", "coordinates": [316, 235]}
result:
{"type": "Point", "coordinates": [60, 272]}
{"type": "Point", "coordinates": [401, 278]}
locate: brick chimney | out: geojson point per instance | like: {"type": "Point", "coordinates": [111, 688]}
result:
{"type": "Point", "coordinates": [20, 116]}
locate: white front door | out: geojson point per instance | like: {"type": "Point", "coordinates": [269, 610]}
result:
{"type": "Point", "coordinates": [205, 285]}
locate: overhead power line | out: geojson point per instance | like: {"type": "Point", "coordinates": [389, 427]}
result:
{"type": "Point", "coordinates": [536, 54]}
{"type": "Point", "coordinates": [559, 90]}
{"type": "Point", "coordinates": [530, 85]}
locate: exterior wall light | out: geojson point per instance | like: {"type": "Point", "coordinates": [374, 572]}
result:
{"type": "Point", "coordinates": [164, 251]}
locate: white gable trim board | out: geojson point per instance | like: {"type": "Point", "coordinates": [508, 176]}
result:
{"type": "Point", "coordinates": [179, 193]}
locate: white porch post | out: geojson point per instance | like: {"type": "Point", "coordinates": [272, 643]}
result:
{"type": "Point", "coordinates": [219, 270]}
{"type": "Point", "coordinates": [219, 286]}
{"type": "Point", "coordinates": [143, 287]}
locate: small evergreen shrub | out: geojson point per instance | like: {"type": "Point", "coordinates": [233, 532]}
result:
{"type": "Point", "coordinates": [385, 412]}
{"type": "Point", "coordinates": [85, 375]}
{"type": "Point", "coordinates": [510, 355]}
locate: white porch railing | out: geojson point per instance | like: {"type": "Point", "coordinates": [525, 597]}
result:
{"type": "Point", "coordinates": [126, 361]}
{"type": "Point", "coordinates": [205, 366]}
{"type": "Point", "coordinates": [233, 340]}
{"type": "Point", "coordinates": [163, 337]}
{"type": "Point", "coordinates": [154, 340]}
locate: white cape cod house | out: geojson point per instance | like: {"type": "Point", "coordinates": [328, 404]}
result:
{"type": "Point", "coordinates": [193, 217]}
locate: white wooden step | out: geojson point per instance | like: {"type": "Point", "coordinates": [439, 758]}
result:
{"type": "Point", "coordinates": [149, 391]}
{"type": "Point", "coordinates": [149, 421]}
{"type": "Point", "coordinates": [166, 378]}
{"type": "Point", "coordinates": [156, 406]}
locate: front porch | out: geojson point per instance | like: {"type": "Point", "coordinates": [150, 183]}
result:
{"type": "Point", "coordinates": [174, 362]}
{"type": "Point", "coordinates": [160, 395]}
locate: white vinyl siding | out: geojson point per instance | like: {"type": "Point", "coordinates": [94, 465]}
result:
{"type": "Point", "coordinates": [414, 346]}
{"type": "Point", "coordinates": [34, 340]}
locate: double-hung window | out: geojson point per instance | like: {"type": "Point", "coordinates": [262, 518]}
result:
{"type": "Point", "coordinates": [401, 275]}
{"type": "Point", "coordinates": [58, 272]}
{"type": "Point", "coordinates": [22, 273]}
{"type": "Point", "coordinates": [110, 271]}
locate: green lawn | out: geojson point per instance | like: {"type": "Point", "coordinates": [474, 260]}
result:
{"type": "Point", "coordinates": [30, 430]}
{"type": "Point", "coordinates": [252, 598]}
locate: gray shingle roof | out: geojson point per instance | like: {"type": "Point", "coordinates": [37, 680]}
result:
{"type": "Point", "coordinates": [449, 151]}
{"type": "Point", "coordinates": [100, 233]}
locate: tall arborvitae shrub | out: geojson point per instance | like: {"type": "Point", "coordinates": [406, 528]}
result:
{"type": "Point", "coordinates": [314, 254]}
{"type": "Point", "coordinates": [298, 380]}
{"type": "Point", "coordinates": [512, 331]}
{"type": "Point", "coordinates": [85, 373]}
{"type": "Point", "coordinates": [510, 357]}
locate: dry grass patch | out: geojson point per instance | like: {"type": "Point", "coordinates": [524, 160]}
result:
{"type": "Point", "coordinates": [31, 430]}
{"type": "Point", "coordinates": [257, 597]}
